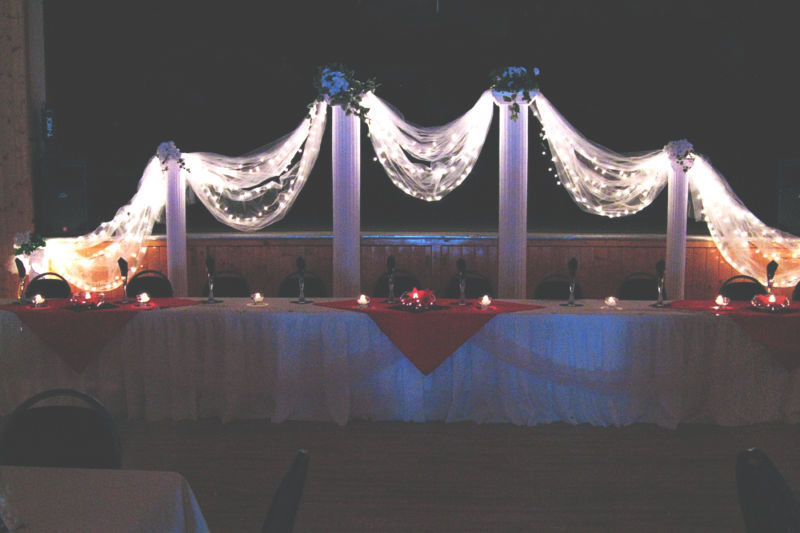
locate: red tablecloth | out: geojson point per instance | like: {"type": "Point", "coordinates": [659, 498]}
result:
{"type": "Point", "coordinates": [428, 338]}
{"type": "Point", "coordinates": [79, 336]}
{"type": "Point", "coordinates": [780, 332]}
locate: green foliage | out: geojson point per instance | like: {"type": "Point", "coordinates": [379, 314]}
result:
{"type": "Point", "coordinates": [35, 242]}
{"type": "Point", "coordinates": [340, 86]}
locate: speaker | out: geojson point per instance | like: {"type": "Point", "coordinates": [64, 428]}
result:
{"type": "Point", "coordinates": [64, 209]}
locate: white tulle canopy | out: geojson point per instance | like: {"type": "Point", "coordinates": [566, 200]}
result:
{"type": "Point", "coordinates": [252, 191]}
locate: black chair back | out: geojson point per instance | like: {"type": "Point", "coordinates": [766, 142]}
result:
{"type": "Point", "coordinates": [556, 287]}
{"type": "Point", "coordinates": [153, 282]}
{"type": "Point", "coordinates": [477, 286]}
{"type": "Point", "coordinates": [283, 509]}
{"type": "Point", "coordinates": [741, 288]}
{"type": "Point", "coordinates": [229, 284]}
{"type": "Point", "coordinates": [70, 436]}
{"type": "Point", "coordinates": [49, 285]}
{"type": "Point", "coordinates": [313, 286]}
{"type": "Point", "coordinates": [403, 281]}
{"type": "Point", "coordinates": [639, 286]}
{"type": "Point", "coordinates": [765, 499]}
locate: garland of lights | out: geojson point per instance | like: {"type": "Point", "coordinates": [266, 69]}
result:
{"type": "Point", "coordinates": [427, 163]}
{"type": "Point", "coordinates": [252, 191]}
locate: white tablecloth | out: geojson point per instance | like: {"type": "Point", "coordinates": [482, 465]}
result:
{"type": "Point", "coordinates": [68, 500]}
{"type": "Point", "coordinates": [286, 361]}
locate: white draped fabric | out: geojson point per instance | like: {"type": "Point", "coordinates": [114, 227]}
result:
{"type": "Point", "coordinates": [600, 181]}
{"type": "Point", "coordinates": [427, 162]}
{"type": "Point", "coordinates": [579, 365]}
{"type": "Point", "coordinates": [257, 189]}
{"type": "Point", "coordinates": [743, 240]}
{"type": "Point", "coordinates": [90, 261]}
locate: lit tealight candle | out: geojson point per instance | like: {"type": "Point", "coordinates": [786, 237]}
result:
{"type": "Point", "coordinates": [257, 297]}
{"type": "Point", "coordinates": [363, 300]}
{"type": "Point", "coordinates": [772, 299]}
{"type": "Point", "coordinates": [143, 298]}
{"type": "Point", "coordinates": [486, 301]}
{"type": "Point", "coordinates": [722, 301]}
{"type": "Point", "coordinates": [38, 300]}
{"type": "Point", "coordinates": [87, 296]}
{"type": "Point", "coordinates": [610, 301]}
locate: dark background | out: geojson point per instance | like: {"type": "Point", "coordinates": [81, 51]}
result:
{"type": "Point", "coordinates": [228, 77]}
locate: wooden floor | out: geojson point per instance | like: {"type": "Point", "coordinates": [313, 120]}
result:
{"type": "Point", "coordinates": [436, 477]}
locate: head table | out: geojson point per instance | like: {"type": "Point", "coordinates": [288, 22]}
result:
{"type": "Point", "coordinates": [536, 362]}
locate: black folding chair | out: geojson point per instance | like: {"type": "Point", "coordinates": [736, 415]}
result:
{"type": "Point", "coordinates": [229, 284]}
{"type": "Point", "coordinates": [49, 285]}
{"type": "Point", "coordinates": [153, 282]}
{"type": "Point", "coordinates": [62, 435]}
{"type": "Point", "coordinates": [741, 288]}
{"type": "Point", "coordinates": [283, 509]}
{"type": "Point", "coordinates": [767, 503]}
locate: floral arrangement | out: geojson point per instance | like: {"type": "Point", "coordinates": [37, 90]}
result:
{"type": "Point", "coordinates": [27, 243]}
{"type": "Point", "coordinates": [168, 150]}
{"type": "Point", "coordinates": [418, 300]}
{"type": "Point", "coordinates": [340, 86]}
{"type": "Point", "coordinates": [680, 151]}
{"type": "Point", "coordinates": [514, 81]}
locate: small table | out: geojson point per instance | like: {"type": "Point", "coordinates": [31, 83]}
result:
{"type": "Point", "coordinates": [103, 501]}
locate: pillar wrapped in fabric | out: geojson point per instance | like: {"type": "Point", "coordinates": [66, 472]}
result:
{"type": "Point", "coordinates": [346, 148]}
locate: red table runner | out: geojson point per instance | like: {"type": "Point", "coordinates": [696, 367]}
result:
{"type": "Point", "coordinates": [428, 338]}
{"type": "Point", "coordinates": [780, 332]}
{"type": "Point", "coordinates": [79, 336]}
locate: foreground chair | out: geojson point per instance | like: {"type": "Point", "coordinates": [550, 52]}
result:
{"type": "Point", "coordinates": [49, 285]}
{"type": "Point", "coordinates": [556, 287]}
{"type": "Point", "coordinates": [766, 501]}
{"type": "Point", "coordinates": [741, 288]}
{"type": "Point", "coordinates": [153, 282]}
{"type": "Point", "coordinates": [477, 286]}
{"type": "Point", "coordinates": [75, 436]}
{"type": "Point", "coordinates": [230, 284]}
{"type": "Point", "coordinates": [639, 286]}
{"type": "Point", "coordinates": [283, 509]}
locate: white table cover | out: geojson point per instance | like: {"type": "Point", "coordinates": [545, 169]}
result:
{"type": "Point", "coordinates": [70, 500]}
{"type": "Point", "coordinates": [305, 362]}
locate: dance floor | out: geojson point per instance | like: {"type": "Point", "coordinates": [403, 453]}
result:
{"type": "Point", "coordinates": [537, 363]}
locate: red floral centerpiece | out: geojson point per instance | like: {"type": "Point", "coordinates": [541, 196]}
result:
{"type": "Point", "coordinates": [770, 302]}
{"type": "Point", "coordinates": [418, 299]}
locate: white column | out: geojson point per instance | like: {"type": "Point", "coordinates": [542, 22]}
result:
{"type": "Point", "coordinates": [512, 230]}
{"type": "Point", "coordinates": [176, 228]}
{"type": "Point", "coordinates": [346, 156]}
{"type": "Point", "coordinates": [677, 201]}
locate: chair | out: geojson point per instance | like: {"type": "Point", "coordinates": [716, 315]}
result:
{"type": "Point", "coordinates": [153, 282]}
{"type": "Point", "coordinates": [556, 287]}
{"type": "Point", "coordinates": [477, 286]}
{"type": "Point", "coordinates": [74, 436]}
{"type": "Point", "coordinates": [49, 285]}
{"type": "Point", "coordinates": [283, 509]}
{"type": "Point", "coordinates": [313, 286]}
{"type": "Point", "coordinates": [230, 284]}
{"type": "Point", "coordinates": [639, 286]}
{"type": "Point", "coordinates": [403, 281]}
{"type": "Point", "coordinates": [766, 501]}
{"type": "Point", "coordinates": [741, 288]}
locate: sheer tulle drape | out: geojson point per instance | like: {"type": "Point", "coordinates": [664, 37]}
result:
{"type": "Point", "coordinates": [257, 189]}
{"type": "Point", "coordinates": [600, 181]}
{"type": "Point", "coordinates": [427, 162]}
{"type": "Point", "coordinates": [743, 240]}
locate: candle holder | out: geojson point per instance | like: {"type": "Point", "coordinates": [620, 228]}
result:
{"type": "Point", "coordinates": [611, 302]}
{"type": "Point", "coordinates": [485, 302]}
{"type": "Point", "coordinates": [38, 301]}
{"type": "Point", "coordinates": [721, 302]}
{"type": "Point", "coordinates": [363, 301]}
{"type": "Point", "coordinates": [143, 300]}
{"type": "Point", "coordinates": [257, 300]}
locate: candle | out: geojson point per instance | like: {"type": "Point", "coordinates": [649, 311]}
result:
{"type": "Point", "coordinates": [143, 298]}
{"type": "Point", "coordinates": [772, 299]}
{"type": "Point", "coordinates": [722, 301]}
{"type": "Point", "coordinates": [257, 297]}
{"type": "Point", "coordinates": [38, 300]}
{"type": "Point", "coordinates": [486, 301]}
{"type": "Point", "coordinates": [610, 301]}
{"type": "Point", "coordinates": [87, 296]}
{"type": "Point", "coordinates": [363, 300]}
